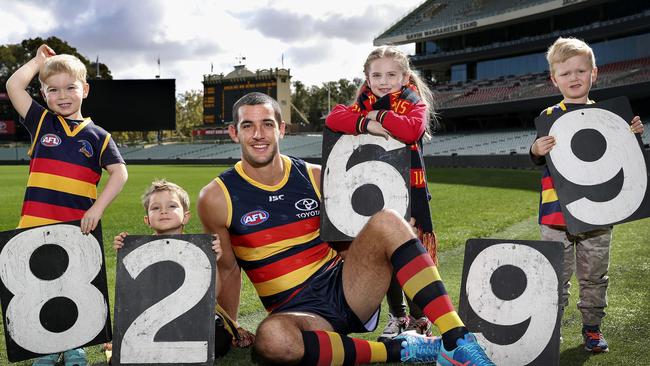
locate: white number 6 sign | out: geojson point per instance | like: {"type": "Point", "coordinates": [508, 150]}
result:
{"type": "Point", "coordinates": [379, 162]}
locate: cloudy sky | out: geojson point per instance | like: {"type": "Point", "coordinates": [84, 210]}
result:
{"type": "Point", "coordinates": [318, 40]}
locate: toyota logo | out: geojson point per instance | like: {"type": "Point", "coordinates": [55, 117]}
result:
{"type": "Point", "coordinates": [306, 204]}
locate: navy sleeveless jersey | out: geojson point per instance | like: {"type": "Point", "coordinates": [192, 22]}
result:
{"type": "Point", "coordinates": [275, 230]}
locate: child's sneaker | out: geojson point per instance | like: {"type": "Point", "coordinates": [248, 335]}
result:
{"type": "Point", "coordinates": [594, 340]}
{"type": "Point", "coordinates": [417, 348]}
{"type": "Point", "coordinates": [75, 357]}
{"type": "Point", "coordinates": [421, 326]}
{"type": "Point", "coordinates": [467, 353]}
{"type": "Point", "coordinates": [394, 327]}
{"type": "Point", "coordinates": [48, 360]}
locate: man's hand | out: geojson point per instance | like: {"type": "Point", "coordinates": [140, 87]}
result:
{"type": "Point", "coordinates": [413, 227]}
{"type": "Point", "coordinates": [216, 245]}
{"type": "Point", "coordinates": [246, 338]}
{"type": "Point", "coordinates": [543, 145]}
{"type": "Point", "coordinates": [118, 240]}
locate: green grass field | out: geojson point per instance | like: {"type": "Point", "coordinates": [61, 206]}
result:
{"type": "Point", "coordinates": [467, 203]}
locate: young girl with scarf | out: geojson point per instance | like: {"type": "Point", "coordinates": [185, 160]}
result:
{"type": "Point", "coordinates": [394, 101]}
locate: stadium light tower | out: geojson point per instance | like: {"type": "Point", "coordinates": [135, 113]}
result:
{"type": "Point", "coordinates": [328, 97]}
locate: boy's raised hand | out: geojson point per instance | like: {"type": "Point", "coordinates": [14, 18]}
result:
{"type": "Point", "coordinates": [118, 240]}
{"type": "Point", "coordinates": [636, 126]}
{"type": "Point", "coordinates": [543, 145]}
{"type": "Point", "coordinates": [43, 53]}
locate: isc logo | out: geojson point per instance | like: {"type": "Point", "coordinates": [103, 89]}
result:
{"type": "Point", "coordinates": [50, 140]}
{"type": "Point", "coordinates": [254, 218]}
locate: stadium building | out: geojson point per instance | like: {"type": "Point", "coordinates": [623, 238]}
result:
{"type": "Point", "coordinates": [486, 58]}
{"type": "Point", "coordinates": [486, 63]}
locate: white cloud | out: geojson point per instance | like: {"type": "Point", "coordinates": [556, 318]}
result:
{"type": "Point", "coordinates": [321, 41]}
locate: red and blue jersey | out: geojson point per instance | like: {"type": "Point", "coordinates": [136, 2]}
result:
{"type": "Point", "coordinates": [275, 230]}
{"type": "Point", "coordinates": [550, 212]}
{"type": "Point", "coordinates": [65, 167]}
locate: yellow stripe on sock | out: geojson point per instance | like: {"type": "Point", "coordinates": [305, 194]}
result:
{"type": "Point", "coordinates": [448, 321]}
{"type": "Point", "coordinates": [378, 352]}
{"type": "Point", "coordinates": [338, 353]}
{"type": "Point", "coordinates": [416, 283]}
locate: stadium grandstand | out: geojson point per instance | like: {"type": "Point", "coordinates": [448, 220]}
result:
{"type": "Point", "coordinates": [485, 60]}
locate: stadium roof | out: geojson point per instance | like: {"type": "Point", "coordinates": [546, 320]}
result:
{"type": "Point", "coordinates": [240, 71]}
{"type": "Point", "coordinates": [440, 18]}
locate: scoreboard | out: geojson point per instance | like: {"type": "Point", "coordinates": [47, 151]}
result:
{"type": "Point", "coordinates": [132, 105]}
{"type": "Point", "coordinates": [219, 99]}
{"type": "Point", "coordinates": [220, 92]}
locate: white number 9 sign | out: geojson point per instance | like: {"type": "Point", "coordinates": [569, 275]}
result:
{"type": "Point", "coordinates": [534, 300]}
{"type": "Point", "coordinates": [597, 165]}
{"type": "Point", "coordinates": [622, 153]}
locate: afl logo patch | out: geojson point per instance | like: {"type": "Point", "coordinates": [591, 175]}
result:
{"type": "Point", "coordinates": [86, 148]}
{"type": "Point", "coordinates": [254, 218]}
{"type": "Point", "coordinates": [50, 140]}
{"type": "Point", "coordinates": [307, 204]}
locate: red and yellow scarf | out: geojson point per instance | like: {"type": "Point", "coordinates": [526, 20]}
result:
{"type": "Point", "coordinates": [402, 102]}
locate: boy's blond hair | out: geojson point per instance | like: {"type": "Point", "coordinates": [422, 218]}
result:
{"type": "Point", "coordinates": [565, 48]}
{"type": "Point", "coordinates": [58, 64]}
{"type": "Point", "coordinates": [161, 185]}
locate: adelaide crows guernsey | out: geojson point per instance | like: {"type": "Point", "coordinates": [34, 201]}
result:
{"type": "Point", "coordinates": [550, 212]}
{"type": "Point", "coordinates": [275, 230]}
{"type": "Point", "coordinates": [65, 167]}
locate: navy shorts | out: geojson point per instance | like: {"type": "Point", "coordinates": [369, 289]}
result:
{"type": "Point", "coordinates": [323, 296]}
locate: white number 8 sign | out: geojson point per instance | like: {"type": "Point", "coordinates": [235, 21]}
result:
{"type": "Point", "coordinates": [30, 293]}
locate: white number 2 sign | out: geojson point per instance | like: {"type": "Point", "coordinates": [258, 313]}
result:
{"type": "Point", "coordinates": [527, 298]}
{"type": "Point", "coordinates": [136, 336]}
{"type": "Point", "coordinates": [341, 183]}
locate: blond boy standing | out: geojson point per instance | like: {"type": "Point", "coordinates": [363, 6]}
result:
{"type": "Point", "coordinates": [67, 154]}
{"type": "Point", "coordinates": [573, 71]}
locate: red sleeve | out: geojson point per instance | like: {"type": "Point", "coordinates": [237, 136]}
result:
{"type": "Point", "coordinates": [407, 128]}
{"type": "Point", "coordinates": [344, 119]}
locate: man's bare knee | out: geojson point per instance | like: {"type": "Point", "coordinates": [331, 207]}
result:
{"type": "Point", "coordinates": [388, 221]}
{"type": "Point", "coordinates": [278, 342]}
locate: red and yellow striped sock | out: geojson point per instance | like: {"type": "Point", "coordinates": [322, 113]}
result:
{"type": "Point", "coordinates": [420, 280]}
{"type": "Point", "coordinates": [329, 348]}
